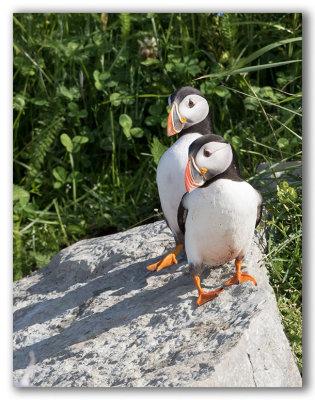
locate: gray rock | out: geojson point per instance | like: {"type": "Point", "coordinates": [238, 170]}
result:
{"type": "Point", "coordinates": [95, 316]}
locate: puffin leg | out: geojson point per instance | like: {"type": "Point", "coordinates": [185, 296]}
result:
{"type": "Point", "coordinates": [168, 260]}
{"type": "Point", "coordinates": [239, 277]}
{"type": "Point", "coordinates": [204, 297]}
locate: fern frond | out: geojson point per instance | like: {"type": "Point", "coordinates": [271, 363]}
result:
{"type": "Point", "coordinates": [228, 32]}
{"type": "Point", "coordinates": [42, 142]}
{"type": "Point", "coordinates": [125, 24]}
{"type": "Point", "coordinates": [157, 149]}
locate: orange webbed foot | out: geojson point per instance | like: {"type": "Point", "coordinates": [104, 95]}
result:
{"type": "Point", "coordinates": [167, 261]}
{"type": "Point", "coordinates": [240, 277]}
{"type": "Point", "coordinates": [205, 297]}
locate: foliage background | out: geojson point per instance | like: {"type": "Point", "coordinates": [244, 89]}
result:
{"type": "Point", "coordinates": [90, 111]}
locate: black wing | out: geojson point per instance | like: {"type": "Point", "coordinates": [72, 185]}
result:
{"type": "Point", "coordinates": [182, 215]}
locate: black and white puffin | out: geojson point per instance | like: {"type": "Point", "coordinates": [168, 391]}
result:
{"type": "Point", "coordinates": [219, 212]}
{"type": "Point", "coordinates": [190, 118]}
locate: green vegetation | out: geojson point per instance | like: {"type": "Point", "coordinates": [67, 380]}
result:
{"type": "Point", "coordinates": [90, 111]}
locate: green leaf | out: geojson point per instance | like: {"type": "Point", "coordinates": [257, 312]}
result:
{"type": "Point", "coordinates": [76, 148]}
{"type": "Point", "coordinates": [169, 67]}
{"type": "Point", "coordinates": [76, 175]}
{"type": "Point", "coordinates": [292, 194]}
{"type": "Point", "coordinates": [72, 46]}
{"type": "Point", "coordinates": [208, 86]}
{"type": "Point", "coordinates": [156, 109]}
{"type": "Point", "coordinates": [250, 103]}
{"type": "Point", "coordinates": [124, 95]}
{"type": "Point", "coordinates": [180, 68]}
{"type": "Point", "coordinates": [192, 66]}
{"type": "Point", "coordinates": [96, 75]}
{"type": "Point", "coordinates": [66, 141]}
{"type": "Point", "coordinates": [115, 99]}
{"type": "Point", "coordinates": [82, 113]}
{"type": "Point", "coordinates": [106, 144]}
{"type": "Point", "coordinates": [193, 70]}
{"type": "Point", "coordinates": [265, 91]}
{"type": "Point", "coordinates": [111, 83]}
{"type": "Point", "coordinates": [75, 229]}
{"type": "Point", "coordinates": [136, 132]}
{"type": "Point", "coordinates": [18, 102]}
{"type": "Point", "coordinates": [99, 85]}
{"type": "Point", "coordinates": [222, 91]}
{"type": "Point", "coordinates": [60, 174]}
{"type": "Point", "coordinates": [125, 121]}
{"type": "Point", "coordinates": [152, 120]}
{"type": "Point", "coordinates": [80, 139]}
{"type": "Point", "coordinates": [21, 195]}
{"type": "Point", "coordinates": [164, 122]}
{"type": "Point", "coordinates": [286, 193]}
{"type": "Point", "coordinates": [72, 93]}
{"type": "Point", "coordinates": [74, 109]}
{"type": "Point", "coordinates": [150, 61]}
{"type": "Point", "coordinates": [75, 112]}
{"type": "Point", "coordinates": [157, 150]}
{"type": "Point", "coordinates": [40, 101]}
{"type": "Point", "coordinates": [57, 185]}
{"type": "Point", "coordinates": [103, 76]}
{"type": "Point", "coordinates": [127, 133]}
{"type": "Point", "coordinates": [236, 142]}
{"type": "Point", "coordinates": [283, 142]}
{"type": "Point", "coordinates": [100, 78]}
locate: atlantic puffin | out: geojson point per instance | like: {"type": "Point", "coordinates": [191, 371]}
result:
{"type": "Point", "coordinates": [219, 212]}
{"type": "Point", "coordinates": [189, 117]}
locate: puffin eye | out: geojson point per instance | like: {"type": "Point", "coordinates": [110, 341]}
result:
{"type": "Point", "coordinates": [206, 153]}
{"type": "Point", "coordinates": [191, 104]}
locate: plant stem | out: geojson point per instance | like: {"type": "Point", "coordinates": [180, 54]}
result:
{"type": "Point", "coordinates": [74, 183]}
{"type": "Point", "coordinates": [60, 222]}
{"type": "Point", "coordinates": [115, 175]}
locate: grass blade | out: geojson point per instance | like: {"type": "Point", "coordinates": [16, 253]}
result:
{"type": "Point", "coordinates": [248, 69]}
{"type": "Point", "coordinates": [264, 101]}
{"type": "Point", "coordinates": [265, 49]}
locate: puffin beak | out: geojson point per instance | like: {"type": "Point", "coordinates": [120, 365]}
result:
{"type": "Point", "coordinates": [175, 121]}
{"type": "Point", "coordinates": [194, 177]}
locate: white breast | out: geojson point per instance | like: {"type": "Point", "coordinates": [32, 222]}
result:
{"type": "Point", "coordinates": [220, 222]}
{"type": "Point", "coordinates": [171, 178]}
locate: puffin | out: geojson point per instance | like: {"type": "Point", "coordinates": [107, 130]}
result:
{"type": "Point", "coordinates": [189, 117]}
{"type": "Point", "coordinates": [219, 212]}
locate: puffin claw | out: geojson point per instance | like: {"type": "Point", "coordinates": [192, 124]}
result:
{"type": "Point", "coordinates": [168, 260]}
{"type": "Point", "coordinates": [205, 297]}
{"type": "Point", "coordinates": [240, 278]}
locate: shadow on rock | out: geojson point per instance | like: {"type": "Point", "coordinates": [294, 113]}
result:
{"type": "Point", "coordinates": [143, 301]}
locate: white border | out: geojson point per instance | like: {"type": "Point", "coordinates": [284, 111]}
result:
{"type": "Point", "coordinates": [6, 175]}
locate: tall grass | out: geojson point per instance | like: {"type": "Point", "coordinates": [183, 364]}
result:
{"type": "Point", "coordinates": [90, 111]}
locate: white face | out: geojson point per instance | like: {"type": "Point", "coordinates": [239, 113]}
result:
{"type": "Point", "coordinates": [215, 157]}
{"type": "Point", "coordinates": [194, 108]}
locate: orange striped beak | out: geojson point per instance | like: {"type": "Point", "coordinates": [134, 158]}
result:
{"type": "Point", "coordinates": [190, 182]}
{"type": "Point", "coordinates": [174, 122]}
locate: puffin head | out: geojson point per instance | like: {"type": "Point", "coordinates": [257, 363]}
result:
{"type": "Point", "coordinates": [188, 108]}
{"type": "Point", "coordinates": [208, 156]}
